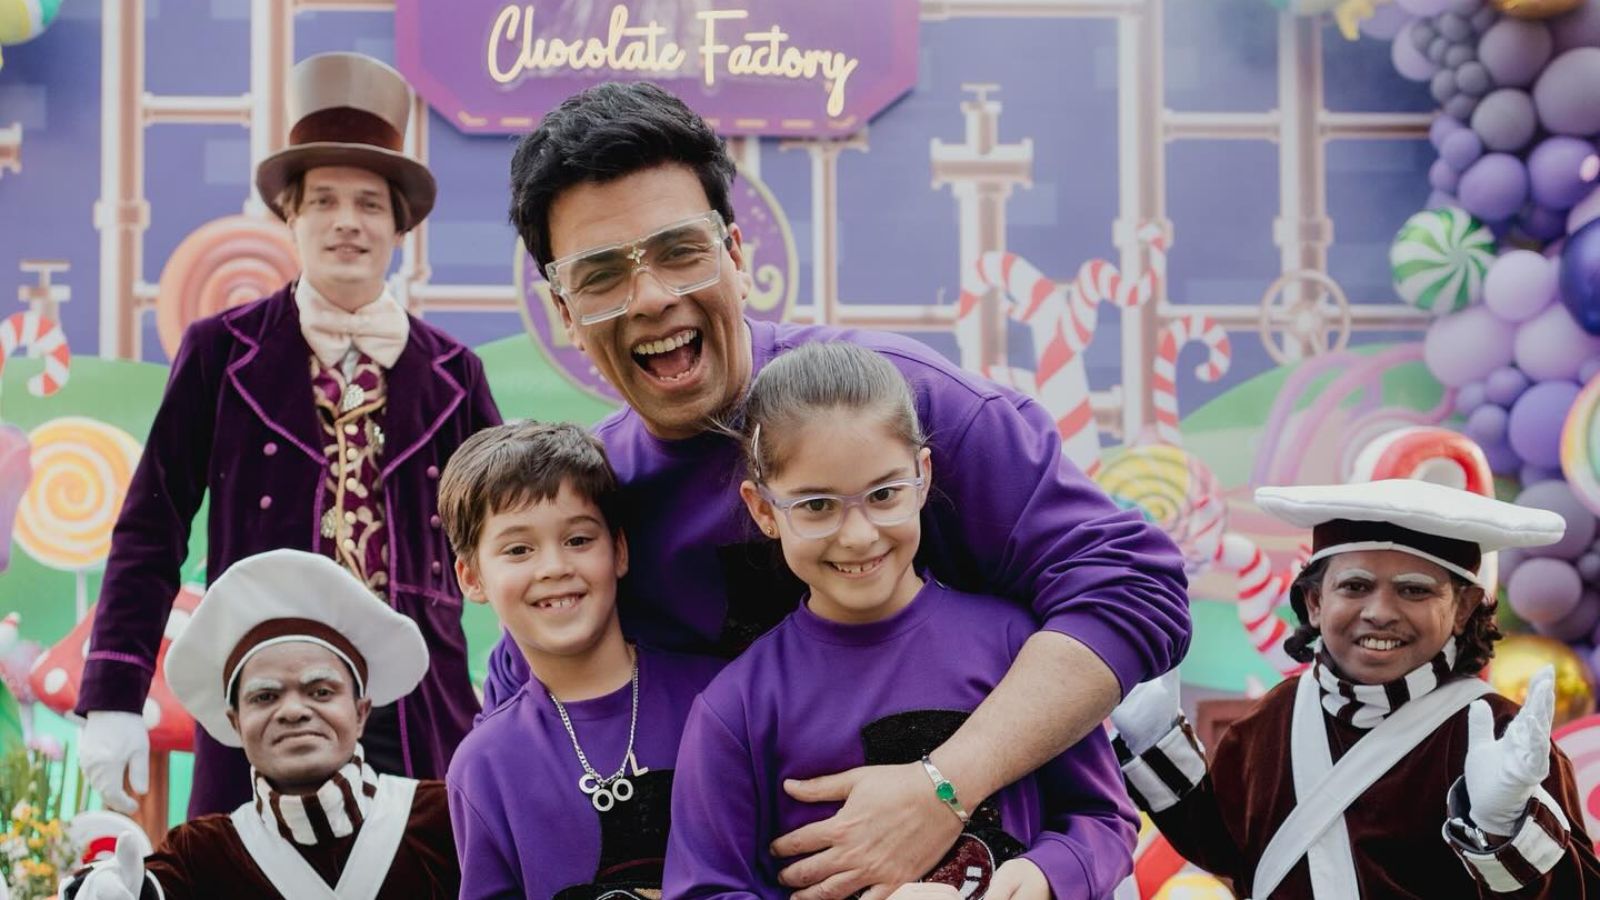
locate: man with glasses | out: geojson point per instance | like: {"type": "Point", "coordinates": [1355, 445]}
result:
{"type": "Point", "coordinates": [603, 193]}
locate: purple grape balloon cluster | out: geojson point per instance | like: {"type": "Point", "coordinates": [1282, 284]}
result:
{"type": "Point", "coordinates": [1516, 139]}
{"type": "Point", "coordinates": [1520, 111]}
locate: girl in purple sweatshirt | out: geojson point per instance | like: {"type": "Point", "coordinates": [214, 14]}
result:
{"type": "Point", "coordinates": [877, 667]}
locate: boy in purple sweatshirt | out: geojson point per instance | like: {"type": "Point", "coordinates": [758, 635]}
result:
{"type": "Point", "coordinates": [877, 666]}
{"type": "Point", "coordinates": [563, 790]}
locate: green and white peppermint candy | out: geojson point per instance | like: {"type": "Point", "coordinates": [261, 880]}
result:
{"type": "Point", "coordinates": [1439, 260]}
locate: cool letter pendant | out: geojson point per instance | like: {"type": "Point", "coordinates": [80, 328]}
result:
{"type": "Point", "coordinates": [605, 796]}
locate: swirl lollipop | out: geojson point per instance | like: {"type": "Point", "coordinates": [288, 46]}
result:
{"type": "Point", "coordinates": [81, 471]}
{"type": "Point", "coordinates": [1175, 491]}
{"type": "Point", "coordinates": [1439, 260]}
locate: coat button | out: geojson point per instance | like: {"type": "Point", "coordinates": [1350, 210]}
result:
{"type": "Point", "coordinates": [434, 521]}
{"type": "Point", "coordinates": [266, 502]}
{"type": "Point", "coordinates": [433, 471]}
{"type": "Point", "coordinates": [437, 568]}
{"type": "Point", "coordinates": [269, 448]}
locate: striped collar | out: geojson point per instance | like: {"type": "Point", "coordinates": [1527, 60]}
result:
{"type": "Point", "coordinates": [1365, 705]}
{"type": "Point", "coordinates": [336, 810]}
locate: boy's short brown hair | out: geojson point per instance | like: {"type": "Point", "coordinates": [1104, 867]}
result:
{"type": "Point", "coordinates": [519, 463]}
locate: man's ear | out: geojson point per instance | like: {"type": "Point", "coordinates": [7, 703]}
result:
{"type": "Point", "coordinates": [574, 335]}
{"type": "Point", "coordinates": [471, 584]}
{"type": "Point", "coordinates": [1314, 607]}
{"type": "Point", "coordinates": [736, 250]}
{"type": "Point", "coordinates": [1467, 603]}
{"type": "Point", "coordinates": [233, 719]}
{"type": "Point", "coordinates": [760, 510]}
{"type": "Point", "coordinates": [363, 711]}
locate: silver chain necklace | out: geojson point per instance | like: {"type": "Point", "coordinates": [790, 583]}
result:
{"type": "Point", "coordinates": [605, 793]}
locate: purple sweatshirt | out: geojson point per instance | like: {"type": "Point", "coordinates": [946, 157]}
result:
{"type": "Point", "coordinates": [523, 828]}
{"type": "Point", "coordinates": [1009, 516]}
{"type": "Point", "coordinates": [815, 697]}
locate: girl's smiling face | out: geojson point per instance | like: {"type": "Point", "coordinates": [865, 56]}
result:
{"type": "Point", "coordinates": [1383, 613]}
{"type": "Point", "coordinates": [863, 572]}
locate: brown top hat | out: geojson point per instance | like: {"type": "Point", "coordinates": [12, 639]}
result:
{"type": "Point", "coordinates": [348, 110]}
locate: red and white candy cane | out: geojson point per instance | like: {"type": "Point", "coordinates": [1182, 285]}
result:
{"type": "Point", "coordinates": [1261, 590]}
{"type": "Point", "coordinates": [41, 336]}
{"type": "Point", "coordinates": [1062, 321]}
{"type": "Point", "coordinates": [1164, 383]}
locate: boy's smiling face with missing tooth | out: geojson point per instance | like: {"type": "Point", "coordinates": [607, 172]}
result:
{"type": "Point", "coordinates": [1383, 613]}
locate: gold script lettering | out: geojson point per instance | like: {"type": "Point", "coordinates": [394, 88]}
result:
{"type": "Point", "coordinates": [625, 48]}
{"type": "Point", "coordinates": [766, 53]}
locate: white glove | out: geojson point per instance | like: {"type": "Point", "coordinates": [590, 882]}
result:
{"type": "Point", "coordinates": [114, 743]}
{"type": "Point", "coordinates": [1501, 774]}
{"type": "Point", "coordinates": [120, 879]}
{"type": "Point", "coordinates": [1147, 713]}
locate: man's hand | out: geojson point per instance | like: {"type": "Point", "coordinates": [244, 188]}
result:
{"type": "Point", "coordinates": [891, 830]}
{"type": "Point", "coordinates": [1018, 879]}
{"type": "Point", "coordinates": [115, 743]}
{"type": "Point", "coordinates": [1501, 774]}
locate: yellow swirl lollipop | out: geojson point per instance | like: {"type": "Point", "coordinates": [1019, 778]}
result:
{"type": "Point", "coordinates": [81, 470]}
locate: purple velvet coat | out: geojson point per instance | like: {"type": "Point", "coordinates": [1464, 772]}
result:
{"type": "Point", "coordinates": [237, 420]}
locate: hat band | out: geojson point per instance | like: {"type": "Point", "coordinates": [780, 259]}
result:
{"type": "Point", "coordinates": [281, 631]}
{"type": "Point", "coordinates": [1343, 535]}
{"type": "Point", "coordinates": [345, 125]}
{"type": "Point", "coordinates": [1358, 546]}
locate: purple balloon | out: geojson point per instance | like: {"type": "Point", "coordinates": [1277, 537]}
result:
{"type": "Point", "coordinates": [1532, 474]}
{"type": "Point", "coordinates": [1551, 347]}
{"type": "Point", "coordinates": [1584, 212]}
{"type": "Point", "coordinates": [1580, 276]}
{"type": "Point", "coordinates": [1534, 430]}
{"type": "Point", "coordinates": [1494, 188]}
{"type": "Point", "coordinates": [1520, 284]}
{"type": "Point", "coordinates": [1578, 624]}
{"type": "Point", "coordinates": [1567, 95]}
{"type": "Point", "coordinates": [1589, 369]}
{"type": "Point", "coordinates": [1439, 200]}
{"type": "Point", "coordinates": [1504, 386]}
{"type": "Point", "coordinates": [1460, 148]}
{"type": "Point", "coordinates": [1460, 106]}
{"type": "Point", "coordinates": [1441, 128]}
{"type": "Point", "coordinates": [1473, 79]}
{"type": "Point", "coordinates": [1443, 85]}
{"type": "Point", "coordinates": [1542, 224]}
{"type": "Point", "coordinates": [1384, 23]}
{"type": "Point", "coordinates": [1442, 177]}
{"type": "Point", "coordinates": [1487, 424]}
{"type": "Point", "coordinates": [1579, 28]}
{"type": "Point", "coordinates": [1556, 170]}
{"type": "Point", "coordinates": [1544, 590]}
{"type": "Point", "coordinates": [1502, 459]}
{"type": "Point", "coordinates": [1505, 120]}
{"type": "Point", "coordinates": [1408, 60]}
{"type": "Point", "coordinates": [1469, 397]}
{"type": "Point", "coordinates": [1467, 346]}
{"type": "Point", "coordinates": [1557, 496]}
{"type": "Point", "coordinates": [1515, 51]}
{"type": "Point", "coordinates": [1423, 7]}
{"type": "Point", "coordinates": [1589, 566]}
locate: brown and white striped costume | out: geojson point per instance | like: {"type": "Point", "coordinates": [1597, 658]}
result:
{"type": "Point", "coordinates": [1410, 832]}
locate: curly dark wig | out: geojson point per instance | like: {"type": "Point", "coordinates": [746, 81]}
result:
{"type": "Point", "coordinates": [1474, 647]}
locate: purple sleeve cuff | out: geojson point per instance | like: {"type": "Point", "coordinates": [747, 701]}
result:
{"type": "Point", "coordinates": [114, 681]}
{"type": "Point", "coordinates": [1119, 650]}
{"type": "Point", "coordinates": [1069, 878]}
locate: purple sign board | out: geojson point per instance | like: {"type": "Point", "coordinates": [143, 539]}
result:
{"type": "Point", "coordinates": [819, 68]}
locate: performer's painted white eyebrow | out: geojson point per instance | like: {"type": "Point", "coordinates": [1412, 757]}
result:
{"type": "Point", "coordinates": [1353, 572]}
{"type": "Point", "coordinates": [260, 684]}
{"type": "Point", "coordinates": [321, 673]}
{"type": "Point", "coordinates": [1422, 578]}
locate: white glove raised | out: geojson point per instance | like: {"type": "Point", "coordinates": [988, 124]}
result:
{"type": "Point", "coordinates": [1147, 713]}
{"type": "Point", "coordinates": [1501, 774]}
{"type": "Point", "coordinates": [115, 743]}
{"type": "Point", "coordinates": [120, 879]}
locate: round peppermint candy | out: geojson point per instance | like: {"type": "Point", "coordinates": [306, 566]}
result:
{"type": "Point", "coordinates": [1439, 260]}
